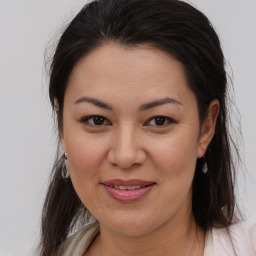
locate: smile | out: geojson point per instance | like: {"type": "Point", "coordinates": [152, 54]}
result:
{"type": "Point", "coordinates": [128, 187]}
{"type": "Point", "coordinates": [128, 191]}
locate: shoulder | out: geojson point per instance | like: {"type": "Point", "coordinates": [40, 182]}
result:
{"type": "Point", "coordinates": [237, 239]}
{"type": "Point", "coordinates": [77, 244]}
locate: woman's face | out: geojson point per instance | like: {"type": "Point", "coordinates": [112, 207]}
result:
{"type": "Point", "coordinates": [132, 137]}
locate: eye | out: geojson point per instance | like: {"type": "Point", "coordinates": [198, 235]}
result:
{"type": "Point", "coordinates": [95, 121]}
{"type": "Point", "coordinates": [160, 121]}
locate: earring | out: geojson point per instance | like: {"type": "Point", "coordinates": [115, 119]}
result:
{"type": "Point", "coordinates": [65, 171]}
{"type": "Point", "coordinates": [205, 167]}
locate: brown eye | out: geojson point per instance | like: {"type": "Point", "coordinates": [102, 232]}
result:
{"type": "Point", "coordinates": [98, 120]}
{"type": "Point", "coordinates": [95, 121]}
{"type": "Point", "coordinates": [160, 121]}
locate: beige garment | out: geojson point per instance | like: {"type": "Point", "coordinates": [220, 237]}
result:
{"type": "Point", "coordinates": [253, 234]}
{"type": "Point", "coordinates": [208, 248]}
{"type": "Point", "coordinates": [78, 243]}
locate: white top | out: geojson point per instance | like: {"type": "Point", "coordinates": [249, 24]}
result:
{"type": "Point", "coordinates": [233, 241]}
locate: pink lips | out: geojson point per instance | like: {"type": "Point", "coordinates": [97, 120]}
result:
{"type": "Point", "coordinates": [129, 190]}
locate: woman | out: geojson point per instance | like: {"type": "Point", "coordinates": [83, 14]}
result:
{"type": "Point", "coordinates": [139, 90]}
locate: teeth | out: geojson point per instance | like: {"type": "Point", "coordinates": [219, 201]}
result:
{"type": "Point", "coordinates": [128, 187]}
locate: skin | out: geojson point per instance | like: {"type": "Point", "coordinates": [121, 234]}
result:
{"type": "Point", "coordinates": [130, 145]}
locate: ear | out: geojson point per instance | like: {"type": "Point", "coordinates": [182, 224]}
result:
{"type": "Point", "coordinates": [56, 105]}
{"type": "Point", "coordinates": [208, 127]}
{"type": "Point", "coordinates": [63, 144]}
{"type": "Point", "coordinates": [61, 135]}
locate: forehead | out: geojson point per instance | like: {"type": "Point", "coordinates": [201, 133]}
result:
{"type": "Point", "coordinates": [135, 73]}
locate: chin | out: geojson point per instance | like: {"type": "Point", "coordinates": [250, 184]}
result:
{"type": "Point", "coordinates": [129, 226]}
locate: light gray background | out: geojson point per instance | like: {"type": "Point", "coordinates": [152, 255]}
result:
{"type": "Point", "coordinates": [27, 140]}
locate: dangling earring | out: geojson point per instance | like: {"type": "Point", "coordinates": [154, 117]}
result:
{"type": "Point", "coordinates": [205, 167]}
{"type": "Point", "coordinates": [65, 171]}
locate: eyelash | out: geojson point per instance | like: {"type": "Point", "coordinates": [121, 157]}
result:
{"type": "Point", "coordinates": [166, 119]}
{"type": "Point", "coordinates": [86, 120]}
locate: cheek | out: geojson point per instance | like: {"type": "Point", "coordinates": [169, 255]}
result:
{"type": "Point", "coordinates": [176, 155]}
{"type": "Point", "coordinates": [175, 160]}
{"type": "Point", "coordinates": [85, 157]}
{"type": "Point", "coordinates": [177, 164]}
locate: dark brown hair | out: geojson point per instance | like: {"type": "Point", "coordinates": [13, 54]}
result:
{"type": "Point", "coordinates": [180, 30]}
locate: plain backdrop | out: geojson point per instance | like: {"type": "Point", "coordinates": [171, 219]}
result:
{"type": "Point", "coordinates": [27, 136]}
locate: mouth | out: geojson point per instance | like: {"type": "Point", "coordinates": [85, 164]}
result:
{"type": "Point", "coordinates": [128, 191]}
{"type": "Point", "coordinates": [128, 187]}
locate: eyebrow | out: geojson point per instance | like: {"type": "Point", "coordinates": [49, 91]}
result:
{"type": "Point", "coordinates": [159, 102]}
{"type": "Point", "coordinates": [143, 107]}
{"type": "Point", "coordinates": [95, 102]}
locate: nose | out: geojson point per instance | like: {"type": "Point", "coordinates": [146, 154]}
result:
{"type": "Point", "coordinates": [126, 149]}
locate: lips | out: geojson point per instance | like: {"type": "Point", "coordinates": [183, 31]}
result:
{"type": "Point", "coordinates": [127, 190]}
{"type": "Point", "coordinates": [128, 187]}
{"type": "Point", "coordinates": [119, 182]}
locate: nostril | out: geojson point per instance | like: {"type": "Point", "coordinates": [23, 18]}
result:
{"type": "Point", "coordinates": [126, 159]}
